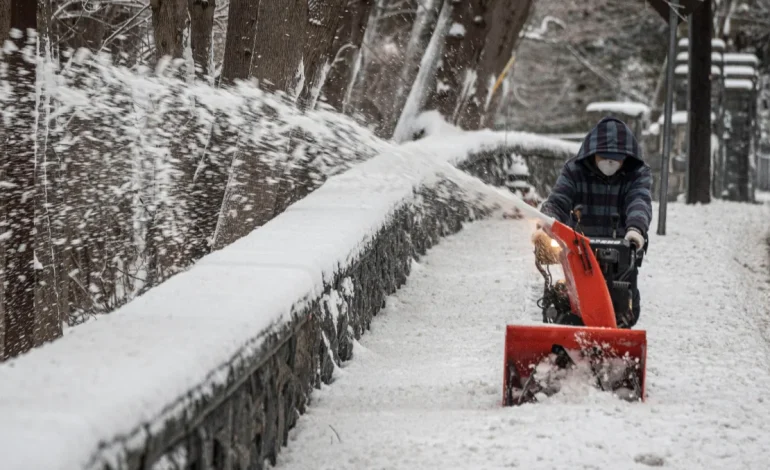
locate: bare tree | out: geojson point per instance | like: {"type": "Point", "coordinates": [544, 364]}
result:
{"type": "Point", "coordinates": [275, 59]}
{"type": "Point", "coordinates": [178, 24]}
{"type": "Point", "coordinates": [168, 23]}
{"type": "Point", "coordinates": [181, 26]}
{"type": "Point", "coordinates": [347, 52]}
{"type": "Point", "coordinates": [505, 20]}
{"type": "Point", "coordinates": [5, 18]}
{"type": "Point", "coordinates": [574, 53]}
{"type": "Point", "coordinates": [201, 35]}
{"type": "Point", "coordinates": [323, 19]}
{"type": "Point", "coordinates": [18, 165]}
{"type": "Point", "coordinates": [5, 26]}
{"type": "Point", "coordinates": [280, 40]}
{"type": "Point", "coordinates": [387, 36]}
{"type": "Point", "coordinates": [212, 176]}
{"type": "Point", "coordinates": [50, 311]}
{"type": "Point", "coordinates": [83, 27]}
{"type": "Point", "coordinates": [242, 23]}
{"type": "Point", "coordinates": [456, 78]}
{"type": "Point", "coordinates": [425, 81]}
{"type": "Point", "coordinates": [265, 40]}
{"type": "Point", "coordinates": [120, 28]}
{"type": "Point", "coordinates": [422, 31]}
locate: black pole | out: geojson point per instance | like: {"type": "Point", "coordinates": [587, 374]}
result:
{"type": "Point", "coordinates": [689, 108]}
{"type": "Point", "coordinates": [673, 21]}
{"type": "Point", "coordinates": [699, 146]}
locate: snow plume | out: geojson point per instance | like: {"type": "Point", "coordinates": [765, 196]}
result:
{"type": "Point", "coordinates": [143, 166]}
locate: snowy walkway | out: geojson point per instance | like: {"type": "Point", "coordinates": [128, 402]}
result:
{"type": "Point", "coordinates": [423, 389]}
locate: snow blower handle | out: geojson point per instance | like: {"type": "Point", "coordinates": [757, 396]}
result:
{"type": "Point", "coordinates": [631, 265]}
{"type": "Point", "coordinates": [577, 212]}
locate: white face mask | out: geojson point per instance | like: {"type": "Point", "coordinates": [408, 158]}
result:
{"type": "Point", "coordinates": [609, 167]}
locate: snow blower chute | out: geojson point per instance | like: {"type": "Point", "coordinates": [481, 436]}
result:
{"type": "Point", "coordinates": [581, 331]}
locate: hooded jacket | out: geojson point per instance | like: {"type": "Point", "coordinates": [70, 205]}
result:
{"type": "Point", "coordinates": [627, 193]}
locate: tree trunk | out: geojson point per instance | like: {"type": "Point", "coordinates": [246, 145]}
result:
{"type": "Point", "coordinates": [265, 40]}
{"type": "Point", "coordinates": [5, 19]}
{"type": "Point", "coordinates": [210, 183]}
{"type": "Point", "coordinates": [48, 311]}
{"type": "Point", "coordinates": [456, 78]}
{"type": "Point", "coordinates": [323, 19]}
{"type": "Point", "coordinates": [422, 31]}
{"type": "Point", "coordinates": [279, 65]}
{"type": "Point", "coordinates": [242, 23]}
{"type": "Point", "coordinates": [698, 190]}
{"type": "Point", "coordinates": [169, 254]}
{"type": "Point", "coordinates": [18, 161]}
{"type": "Point", "coordinates": [347, 50]}
{"type": "Point", "coordinates": [5, 26]}
{"type": "Point", "coordinates": [168, 23]}
{"type": "Point", "coordinates": [280, 40]}
{"type": "Point", "coordinates": [201, 35]}
{"type": "Point", "coordinates": [505, 20]}
{"type": "Point", "coordinates": [366, 64]}
{"type": "Point", "coordinates": [272, 36]}
{"type": "Point", "coordinates": [425, 81]}
{"type": "Point", "coordinates": [382, 60]}
{"type": "Point", "coordinates": [217, 162]}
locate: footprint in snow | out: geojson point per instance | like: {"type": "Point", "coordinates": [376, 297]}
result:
{"type": "Point", "coordinates": [651, 460]}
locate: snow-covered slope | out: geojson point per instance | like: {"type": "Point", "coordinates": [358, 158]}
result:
{"type": "Point", "coordinates": [424, 388]}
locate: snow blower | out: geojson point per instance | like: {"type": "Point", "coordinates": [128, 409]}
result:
{"type": "Point", "coordinates": [581, 331]}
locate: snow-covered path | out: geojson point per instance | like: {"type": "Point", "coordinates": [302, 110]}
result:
{"type": "Point", "coordinates": [424, 387]}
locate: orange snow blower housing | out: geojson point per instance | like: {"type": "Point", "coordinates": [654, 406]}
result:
{"type": "Point", "coordinates": [615, 357]}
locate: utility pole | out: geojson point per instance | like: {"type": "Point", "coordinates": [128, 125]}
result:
{"type": "Point", "coordinates": [699, 145]}
{"type": "Point", "coordinates": [673, 22]}
{"type": "Point", "coordinates": [18, 165]}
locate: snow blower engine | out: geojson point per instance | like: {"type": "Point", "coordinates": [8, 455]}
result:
{"type": "Point", "coordinates": [587, 315]}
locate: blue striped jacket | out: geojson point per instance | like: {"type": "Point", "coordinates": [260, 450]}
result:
{"type": "Point", "coordinates": [627, 193]}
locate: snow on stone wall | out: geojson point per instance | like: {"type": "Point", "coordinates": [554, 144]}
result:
{"type": "Point", "coordinates": [212, 368]}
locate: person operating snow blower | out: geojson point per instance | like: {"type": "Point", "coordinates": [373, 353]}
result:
{"type": "Point", "coordinates": [611, 185]}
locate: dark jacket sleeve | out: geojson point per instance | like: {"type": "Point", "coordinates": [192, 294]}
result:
{"type": "Point", "coordinates": [560, 201]}
{"type": "Point", "coordinates": [638, 200]}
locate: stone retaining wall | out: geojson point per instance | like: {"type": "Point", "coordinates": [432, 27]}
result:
{"type": "Point", "coordinates": [244, 375]}
{"type": "Point", "coordinates": [244, 424]}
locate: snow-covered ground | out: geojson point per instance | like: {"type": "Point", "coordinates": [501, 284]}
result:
{"type": "Point", "coordinates": [424, 387]}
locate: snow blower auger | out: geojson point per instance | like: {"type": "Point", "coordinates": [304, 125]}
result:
{"type": "Point", "coordinates": [582, 333]}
